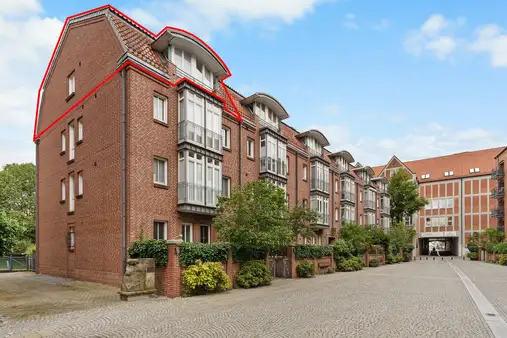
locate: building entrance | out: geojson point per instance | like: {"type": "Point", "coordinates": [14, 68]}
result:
{"type": "Point", "coordinates": [439, 246]}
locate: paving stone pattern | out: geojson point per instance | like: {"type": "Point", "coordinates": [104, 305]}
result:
{"type": "Point", "coordinates": [416, 299]}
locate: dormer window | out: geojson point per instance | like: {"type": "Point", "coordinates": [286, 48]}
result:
{"type": "Point", "coordinates": [266, 115]}
{"type": "Point", "coordinates": [424, 176]}
{"type": "Point", "coordinates": [192, 68]}
{"type": "Point", "coordinates": [313, 145]}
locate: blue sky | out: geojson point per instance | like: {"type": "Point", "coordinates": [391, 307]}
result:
{"type": "Point", "coordinates": [377, 77]}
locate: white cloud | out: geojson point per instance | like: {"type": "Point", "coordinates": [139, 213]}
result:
{"type": "Point", "coordinates": [435, 36]}
{"type": "Point", "coordinates": [425, 141]}
{"type": "Point", "coordinates": [203, 17]}
{"type": "Point", "coordinates": [350, 21]}
{"type": "Point", "coordinates": [27, 40]}
{"type": "Point", "coordinates": [382, 25]}
{"type": "Point", "coordinates": [491, 39]}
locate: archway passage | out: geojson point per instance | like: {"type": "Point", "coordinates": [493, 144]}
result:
{"type": "Point", "coordinates": [439, 246]}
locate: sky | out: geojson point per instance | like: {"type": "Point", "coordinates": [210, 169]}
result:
{"type": "Point", "coordinates": [378, 78]}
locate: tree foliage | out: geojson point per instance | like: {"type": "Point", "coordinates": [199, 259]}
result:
{"type": "Point", "coordinates": [256, 215]}
{"type": "Point", "coordinates": [405, 198]}
{"type": "Point", "coordinates": [17, 208]}
{"type": "Point", "coordinates": [357, 236]}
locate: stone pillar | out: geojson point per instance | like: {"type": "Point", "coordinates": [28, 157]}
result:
{"type": "Point", "coordinates": [401, 252]}
{"type": "Point", "coordinates": [366, 258]}
{"type": "Point", "coordinates": [173, 283]}
{"type": "Point", "coordinates": [291, 257]}
{"type": "Point", "coordinates": [333, 264]}
{"type": "Point", "coordinates": [479, 254]}
{"type": "Point", "coordinates": [230, 268]}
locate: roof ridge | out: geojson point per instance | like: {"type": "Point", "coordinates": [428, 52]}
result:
{"type": "Point", "coordinates": [455, 154]}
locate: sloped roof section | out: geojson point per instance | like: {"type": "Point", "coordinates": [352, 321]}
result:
{"type": "Point", "coordinates": [269, 101]}
{"type": "Point", "coordinates": [344, 154]}
{"type": "Point", "coordinates": [323, 141]}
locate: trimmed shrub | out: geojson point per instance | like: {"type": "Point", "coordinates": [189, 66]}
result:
{"type": "Point", "coordinates": [502, 260]}
{"type": "Point", "coordinates": [190, 253]}
{"type": "Point", "coordinates": [245, 254]}
{"type": "Point", "coordinates": [490, 247]}
{"type": "Point", "coordinates": [253, 274]}
{"type": "Point", "coordinates": [304, 251]}
{"type": "Point", "coordinates": [150, 248]}
{"type": "Point", "coordinates": [408, 248]}
{"type": "Point", "coordinates": [393, 259]}
{"type": "Point", "coordinates": [472, 247]}
{"type": "Point", "coordinates": [341, 249]}
{"type": "Point", "coordinates": [350, 264]}
{"type": "Point", "coordinates": [501, 248]}
{"type": "Point", "coordinates": [374, 263]}
{"type": "Point", "coordinates": [473, 256]}
{"type": "Point", "coordinates": [305, 269]}
{"type": "Point", "coordinates": [203, 278]}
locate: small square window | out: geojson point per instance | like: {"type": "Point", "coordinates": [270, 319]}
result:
{"type": "Point", "coordinates": [446, 173]}
{"type": "Point", "coordinates": [226, 138]}
{"type": "Point", "coordinates": [471, 170]}
{"type": "Point", "coordinates": [477, 170]}
{"type": "Point", "coordinates": [160, 230]}
{"type": "Point", "coordinates": [250, 149]}
{"type": "Point", "coordinates": [451, 173]}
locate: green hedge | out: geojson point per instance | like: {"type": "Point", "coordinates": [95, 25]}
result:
{"type": "Point", "coordinates": [190, 253]}
{"type": "Point", "coordinates": [245, 254]}
{"type": "Point", "coordinates": [341, 249]}
{"type": "Point", "coordinates": [305, 269]}
{"type": "Point", "coordinates": [305, 251]}
{"type": "Point", "coordinates": [150, 248]}
{"type": "Point", "coordinates": [472, 247]}
{"type": "Point", "coordinates": [501, 248]}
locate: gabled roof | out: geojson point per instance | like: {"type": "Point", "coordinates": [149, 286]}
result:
{"type": "Point", "coordinates": [394, 158]}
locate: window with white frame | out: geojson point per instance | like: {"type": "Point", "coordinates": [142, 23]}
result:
{"type": "Point", "coordinates": [199, 178]}
{"type": "Point", "coordinates": [160, 230]}
{"type": "Point", "coordinates": [226, 137]}
{"type": "Point", "coordinates": [313, 145]}
{"type": "Point", "coordinates": [213, 126]}
{"type": "Point", "coordinates": [273, 154]}
{"type": "Point", "coordinates": [250, 149]}
{"type": "Point", "coordinates": [321, 205]}
{"type": "Point", "coordinates": [80, 183]}
{"type": "Point", "coordinates": [266, 115]}
{"type": "Point", "coordinates": [71, 82]}
{"type": "Point", "coordinates": [160, 171]}
{"type": "Point", "coordinates": [319, 175]}
{"type": "Point", "coordinates": [205, 234]}
{"type": "Point", "coordinates": [226, 186]}
{"type": "Point", "coordinates": [186, 232]}
{"type": "Point", "coordinates": [192, 67]}
{"type": "Point", "coordinates": [336, 214]}
{"type": "Point", "coordinates": [80, 129]}
{"type": "Point", "coordinates": [305, 169]}
{"type": "Point", "coordinates": [191, 117]}
{"type": "Point", "coordinates": [336, 185]}
{"type": "Point", "coordinates": [160, 108]}
{"type": "Point", "coordinates": [63, 141]}
{"type": "Point", "coordinates": [72, 142]}
{"type": "Point", "coordinates": [63, 188]}
{"type": "Point", "coordinates": [213, 181]}
{"type": "Point", "coordinates": [71, 192]}
{"type": "Point", "coordinates": [71, 239]}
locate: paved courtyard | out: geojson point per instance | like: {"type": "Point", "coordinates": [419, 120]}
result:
{"type": "Point", "coordinates": [416, 299]}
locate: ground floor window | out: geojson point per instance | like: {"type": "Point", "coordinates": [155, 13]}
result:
{"type": "Point", "coordinates": [186, 232]}
{"type": "Point", "coordinates": [160, 230]}
{"type": "Point", "coordinates": [205, 233]}
{"type": "Point", "coordinates": [71, 239]}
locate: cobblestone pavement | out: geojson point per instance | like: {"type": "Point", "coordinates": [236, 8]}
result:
{"type": "Point", "coordinates": [416, 299]}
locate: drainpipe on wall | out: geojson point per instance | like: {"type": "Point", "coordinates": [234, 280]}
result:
{"type": "Point", "coordinates": [124, 171]}
{"type": "Point", "coordinates": [297, 180]}
{"type": "Point", "coordinates": [462, 217]}
{"type": "Point", "coordinates": [37, 206]}
{"type": "Point", "coordinates": [332, 201]}
{"type": "Point", "coordinates": [240, 154]}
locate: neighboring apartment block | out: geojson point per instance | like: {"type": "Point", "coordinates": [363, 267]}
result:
{"type": "Point", "coordinates": [148, 153]}
{"type": "Point", "coordinates": [465, 193]}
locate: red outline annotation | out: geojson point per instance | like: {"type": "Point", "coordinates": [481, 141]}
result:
{"type": "Point", "coordinates": [129, 63]}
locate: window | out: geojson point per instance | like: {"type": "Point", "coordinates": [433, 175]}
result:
{"type": "Point", "coordinates": [446, 173]}
{"type": "Point", "coordinates": [205, 233]}
{"type": "Point", "coordinates": [193, 67]}
{"type": "Point", "coordinates": [434, 204]}
{"type": "Point", "coordinates": [428, 206]}
{"type": "Point", "coordinates": [450, 203]}
{"type": "Point", "coordinates": [425, 176]}
{"type": "Point", "coordinates": [442, 203]}
{"type": "Point", "coordinates": [471, 170]}
{"type": "Point", "coordinates": [273, 154]}
{"type": "Point", "coordinates": [71, 193]}
{"type": "Point", "coordinates": [451, 173]}
{"type": "Point", "coordinates": [287, 165]}
{"type": "Point", "coordinates": [226, 186]}
{"type": "Point", "coordinates": [80, 129]}
{"type": "Point", "coordinates": [160, 171]}
{"type": "Point", "coordinates": [449, 220]}
{"type": "Point", "coordinates": [63, 141]}
{"type": "Point", "coordinates": [71, 239]}
{"type": "Point", "coordinates": [160, 108]}
{"type": "Point", "coordinates": [477, 170]}
{"type": "Point", "coordinates": [428, 222]}
{"type": "Point", "coordinates": [305, 202]}
{"type": "Point", "coordinates": [250, 150]}
{"type": "Point", "coordinates": [305, 169]}
{"type": "Point", "coordinates": [336, 186]}
{"type": "Point", "coordinates": [62, 184]}
{"type": "Point", "coordinates": [186, 232]}
{"type": "Point", "coordinates": [360, 197]}
{"type": "Point", "coordinates": [160, 230]}
{"type": "Point", "coordinates": [336, 214]}
{"type": "Point", "coordinates": [226, 138]}
{"type": "Point", "coordinates": [72, 143]}
{"type": "Point", "coordinates": [80, 183]}
{"type": "Point", "coordinates": [71, 81]}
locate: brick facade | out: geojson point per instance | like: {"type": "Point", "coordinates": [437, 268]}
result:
{"type": "Point", "coordinates": [92, 47]}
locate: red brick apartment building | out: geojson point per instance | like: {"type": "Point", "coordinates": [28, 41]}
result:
{"type": "Point", "coordinates": [140, 157]}
{"type": "Point", "coordinates": [465, 192]}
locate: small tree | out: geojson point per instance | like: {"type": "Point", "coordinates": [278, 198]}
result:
{"type": "Point", "coordinates": [405, 198]}
{"type": "Point", "coordinates": [257, 215]}
{"type": "Point", "coordinates": [378, 236]}
{"type": "Point", "coordinates": [357, 236]}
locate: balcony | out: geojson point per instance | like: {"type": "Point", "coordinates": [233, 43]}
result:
{"type": "Point", "coordinates": [318, 184]}
{"type": "Point", "coordinates": [322, 220]}
{"type": "Point", "coordinates": [385, 210]}
{"type": "Point", "coordinates": [497, 193]}
{"type": "Point", "coordinates": [273, 166]}
{"type": "Point", "coordinates": [198, 194]}
{"type": "Point", "coordinates": [348, 197]}
{"type": "Point", "coordinates": [497, 173]}
{"type": "Point", "coordinates": [189, 131]}
{"type": "Point", "coordinates": [369, 204]}
{"type": "Point", "coordinates": [497, 212]}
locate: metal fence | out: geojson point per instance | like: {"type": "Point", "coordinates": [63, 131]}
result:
{"type": "Point", "coordinates": [17, 263]}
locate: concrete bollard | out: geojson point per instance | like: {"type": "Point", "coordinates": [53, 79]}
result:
{"type": "Point", "coordinates": [420, 258]}
{"type": "Point", "coordinates": [433, 257]}
{"type": "Point", "coordinates": [452, 257]}
{"type": "Point", "coordinates": [426, 257]}
{"type": "Point", "coordinates": [442, 257]}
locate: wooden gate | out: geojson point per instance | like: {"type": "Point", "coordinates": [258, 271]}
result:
{"type": "Point", "coordinates": [279, 266]}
